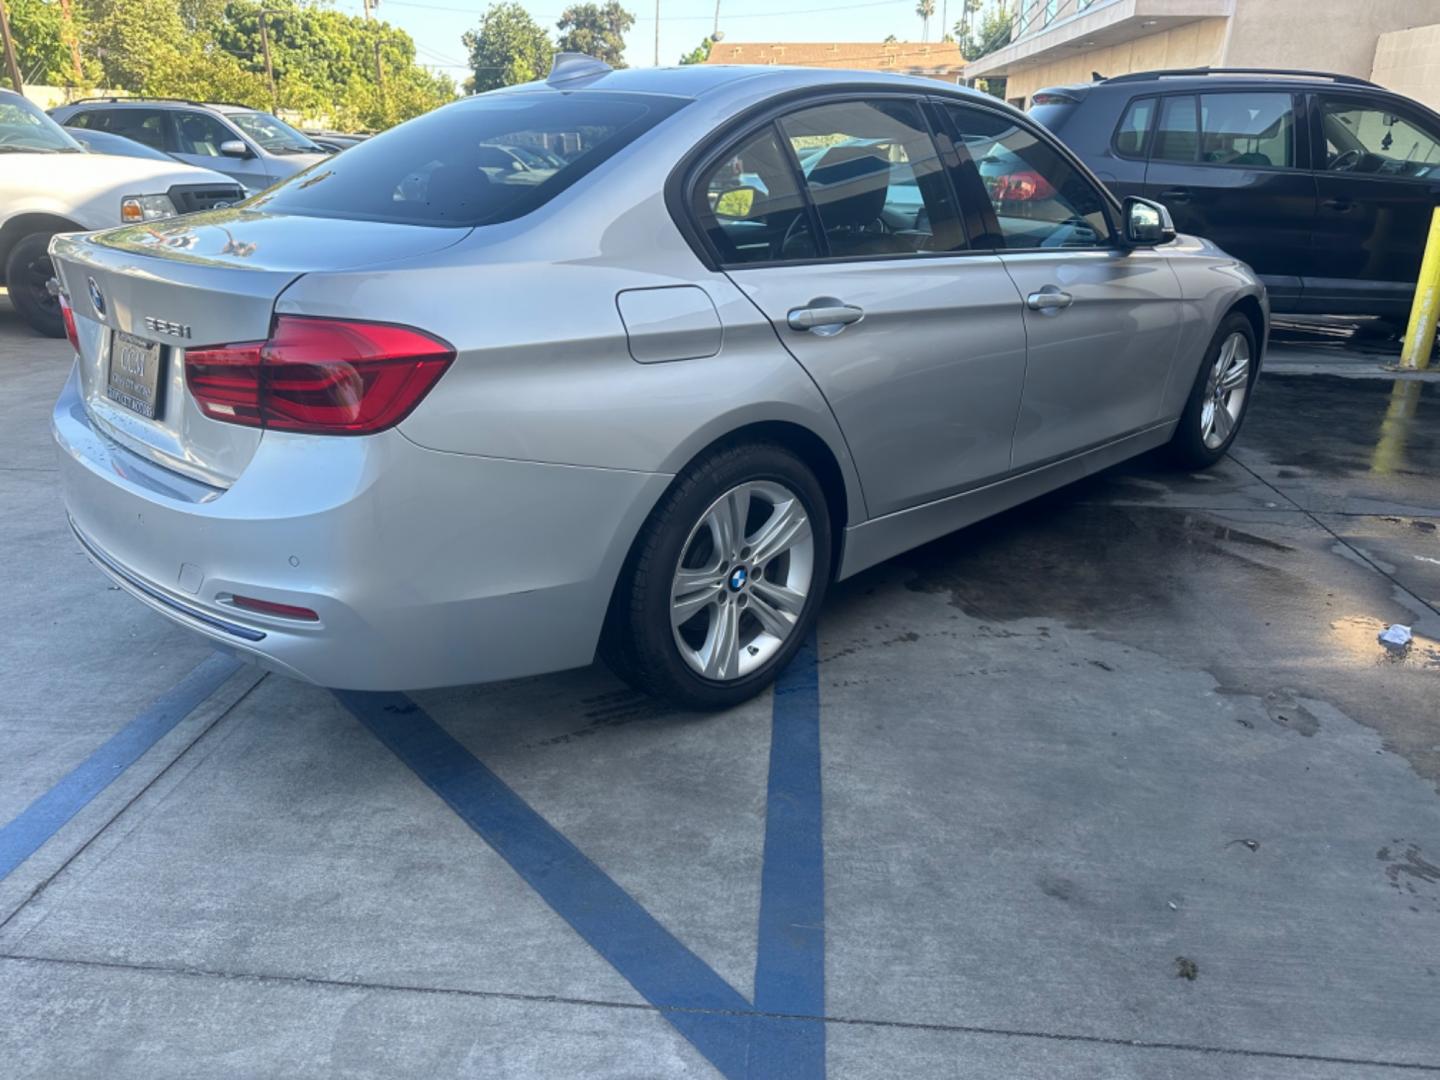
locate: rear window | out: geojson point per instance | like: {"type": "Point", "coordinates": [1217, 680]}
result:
{"type": "Point", "coordinates": [1052, 112]}
{"type": "Point", "coordinates": [492, 158]}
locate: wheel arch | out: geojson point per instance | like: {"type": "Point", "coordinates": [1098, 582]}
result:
{"type": "Point", "coordinates": [1252, 309]}
{"type": "Point", "coordinates": [27, 224]}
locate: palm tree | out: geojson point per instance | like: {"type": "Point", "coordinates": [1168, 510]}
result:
{"type": "Point", "coordinates": [925, 9]}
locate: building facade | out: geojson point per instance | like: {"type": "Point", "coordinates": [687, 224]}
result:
{"type": "Point", "coordinates": [1070, 41]}
{"type": "Point", "coordinates": [936, 60]}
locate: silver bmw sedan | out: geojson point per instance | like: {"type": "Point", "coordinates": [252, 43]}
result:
{"type": "Point", "coordinates": [635, 362]}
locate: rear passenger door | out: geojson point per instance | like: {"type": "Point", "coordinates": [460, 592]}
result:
{"type": "Point", "coordinates": [1102, 323]}
{"type": "Point", "coordinates": [839, 221]}
{"type": "Point", "coordinates": [1227, 166]}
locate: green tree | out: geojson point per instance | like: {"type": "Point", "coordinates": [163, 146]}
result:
{"type": "Point", "coordinates": [699, 54]}
{"type": "Point", "coordinates": [990, 33]}
{"type": "Point", "coordinates": [41, 34]}
{"type": "Point", "coordinates": [926, 10]}
{"type": "Point", "coordinates": [507, 47]}
{"type": "Point", "coordinates": [596, 30]}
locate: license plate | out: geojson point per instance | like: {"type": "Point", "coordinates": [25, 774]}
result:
{"type": "Point", "coordinates": [134, 379]}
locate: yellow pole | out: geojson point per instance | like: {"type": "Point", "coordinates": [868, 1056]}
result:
{"type": "Point", "coordinates": [1420, 335]}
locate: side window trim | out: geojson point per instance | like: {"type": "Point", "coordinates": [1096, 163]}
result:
{"type": "Point", "coordinates": [971, 171]}
{"type": "Point", "coordinates": [694, 228]}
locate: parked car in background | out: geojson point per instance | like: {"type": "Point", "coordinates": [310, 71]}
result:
{"type": "Point", "coordinates": [50, 184]}
{"type": "Point", "coordinates": [334, 141]}
{"type": "Point", "coordinates": [1323, 183]}
{"type": "Point", "coordinates": [104, 142]}
{"type": "Point", "coordinates": [342, 429]}
{"type": "Point", "coordinates": [253, 147]}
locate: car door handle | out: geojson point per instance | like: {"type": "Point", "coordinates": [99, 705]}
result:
{"type": "Point", "coordinates": [1176, 195]}
{"type": "Point", "coordinates": [1049, 299]}
{"type": "Point", "coordinates": [1340, 206]}
{"type": "Point", "coordinates": [824, 316]}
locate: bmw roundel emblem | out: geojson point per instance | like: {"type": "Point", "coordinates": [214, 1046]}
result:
{"type": "Point", "coordinates": [738, 579]}
{"type": "Point", "coordinates": [97, 298]}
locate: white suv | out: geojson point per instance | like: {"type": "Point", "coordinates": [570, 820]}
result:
{"type": "Point", "coordinates": [50, 184]}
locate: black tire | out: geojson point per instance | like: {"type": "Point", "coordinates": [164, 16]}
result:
{"type": "Point", "coordinates": [1188, 448]}
{"type": "Point", "coordinates": [639, 644]}
{"type": "Point", "coordinates": [27, 270]}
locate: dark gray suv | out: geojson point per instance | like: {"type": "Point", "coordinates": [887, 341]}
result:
{"type": "Point", "coordinates": [254, 147]}
{"type": "Point", "coordinates": [1324, 184]}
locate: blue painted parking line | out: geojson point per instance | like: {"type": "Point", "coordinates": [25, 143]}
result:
{"type": "Point", "coordinates": [790, 959]}
{"type": "Point", "coordinates": [44, 817]}
{"type": "Point", "coordinates": [771, 1038]}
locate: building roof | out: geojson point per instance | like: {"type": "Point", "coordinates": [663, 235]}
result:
{"type": "Point", "coordinates": [941, 60]}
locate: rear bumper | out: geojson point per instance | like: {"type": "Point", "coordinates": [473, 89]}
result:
{"type": "Point", "coordinates": [425, 568]}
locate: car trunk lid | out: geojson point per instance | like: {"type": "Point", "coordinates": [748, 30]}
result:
{"type": "Point", "coordinates": [144, 294]}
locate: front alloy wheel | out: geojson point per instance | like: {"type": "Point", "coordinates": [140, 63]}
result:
{"type": "Point", "coordinates": [1225, 391]}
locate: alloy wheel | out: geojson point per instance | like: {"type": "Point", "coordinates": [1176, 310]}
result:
{"type": "Point", "coordinates": [741, 582]}
{"type": "Point", "coordinates": [1225, 390]}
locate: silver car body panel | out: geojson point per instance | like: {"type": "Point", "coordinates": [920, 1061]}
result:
{"type": "Point", "coordinates": [597, 354]}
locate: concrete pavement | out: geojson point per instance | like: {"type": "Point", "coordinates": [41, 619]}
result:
{"type": "Point", "coordinates": [1119, 784]}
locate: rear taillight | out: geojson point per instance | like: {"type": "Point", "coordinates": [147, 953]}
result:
{"type": "Point", "coordinates": [322, 376]}
{"type": "Point", "coordinates": [1022, 187]}
{"type": "Point", "coordinates": [69, 316]}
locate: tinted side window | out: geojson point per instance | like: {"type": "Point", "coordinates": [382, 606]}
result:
{"type": "Point", "coordinates": [751, 207]}
{"type": "Point", "coordinates": [1178, 136]}
{"type": "Point", "coordinates": [1255, 129]}
{"type": "Point", "coordinates": [1365, 139]}
{"type": "Point", "coordinates": [1133, 132]}
{"type": "Point", "coordinates": [1040, 200]}
{"type": "Point", "coordinates": [80, 120]}
{"type": "Point", "coordinates": [200, 133]}
{"type": "Point", "coordinates": [875, 177]}
{"type": "Point", "coordinates": [143, 125]}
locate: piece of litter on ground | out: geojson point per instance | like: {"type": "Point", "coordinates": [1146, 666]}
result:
{"type": "Point", "coordinates": [1395, 636]}
{"type": "Point", "coordinates": [1185, 968]}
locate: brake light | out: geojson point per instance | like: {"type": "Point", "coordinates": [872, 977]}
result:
{"type": "Point", "coordinates": [1022, 187]}
{"type": "Point", "coordinates": [69, 317]}
{"type": "Point", "coordinates": [322, 376]}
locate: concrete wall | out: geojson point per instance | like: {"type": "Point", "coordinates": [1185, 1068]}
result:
{"type": "Point", "coordinates": [1192, 45]}
{"type": "Point", "coordinates": [1326, 35]}
{"type": "Point", "coordinates": [47, 97]}
{"type": "Point", "coordinates": [1408, 62]}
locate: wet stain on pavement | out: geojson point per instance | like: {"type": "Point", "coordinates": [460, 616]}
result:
{"type": "Point", "coordinates": [1288, 713]}
{"type": "Point", "coordinates": [1333, 426]}
{"type": "Point", "coordinates": [1411, 874]}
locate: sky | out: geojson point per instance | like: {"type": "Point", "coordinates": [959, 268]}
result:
{"type": "Point", "coordinates": [436, 25]}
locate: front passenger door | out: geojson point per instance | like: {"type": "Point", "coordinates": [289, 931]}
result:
{"type": "Point", "coordinates": [1102, 323]}
{"type": "Point", "coordinates": [840, 224]}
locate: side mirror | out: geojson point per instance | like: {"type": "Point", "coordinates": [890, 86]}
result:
{"type": "Point", "coordinates": [737, 203]}
{"type": "Point", "coordinates": [234, 148]}
{"type": "Point", "coordinates": [1147, 223]}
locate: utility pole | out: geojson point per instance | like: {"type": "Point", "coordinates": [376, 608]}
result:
{"type": "Point", "coordinates": [265, 48]}
{"type": "Point", "coordinates": [68, 13]}
{"type": "Point", "coordinates": [657, 33]}
{"type": "Point", "coordinates": [367, 8]}
{"type": "Point", "coordinates": [380, 76]}
{"type": "Point", "coordinates": [715, 30]}
{"type": "Point", "coordinates": [10, 62]}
